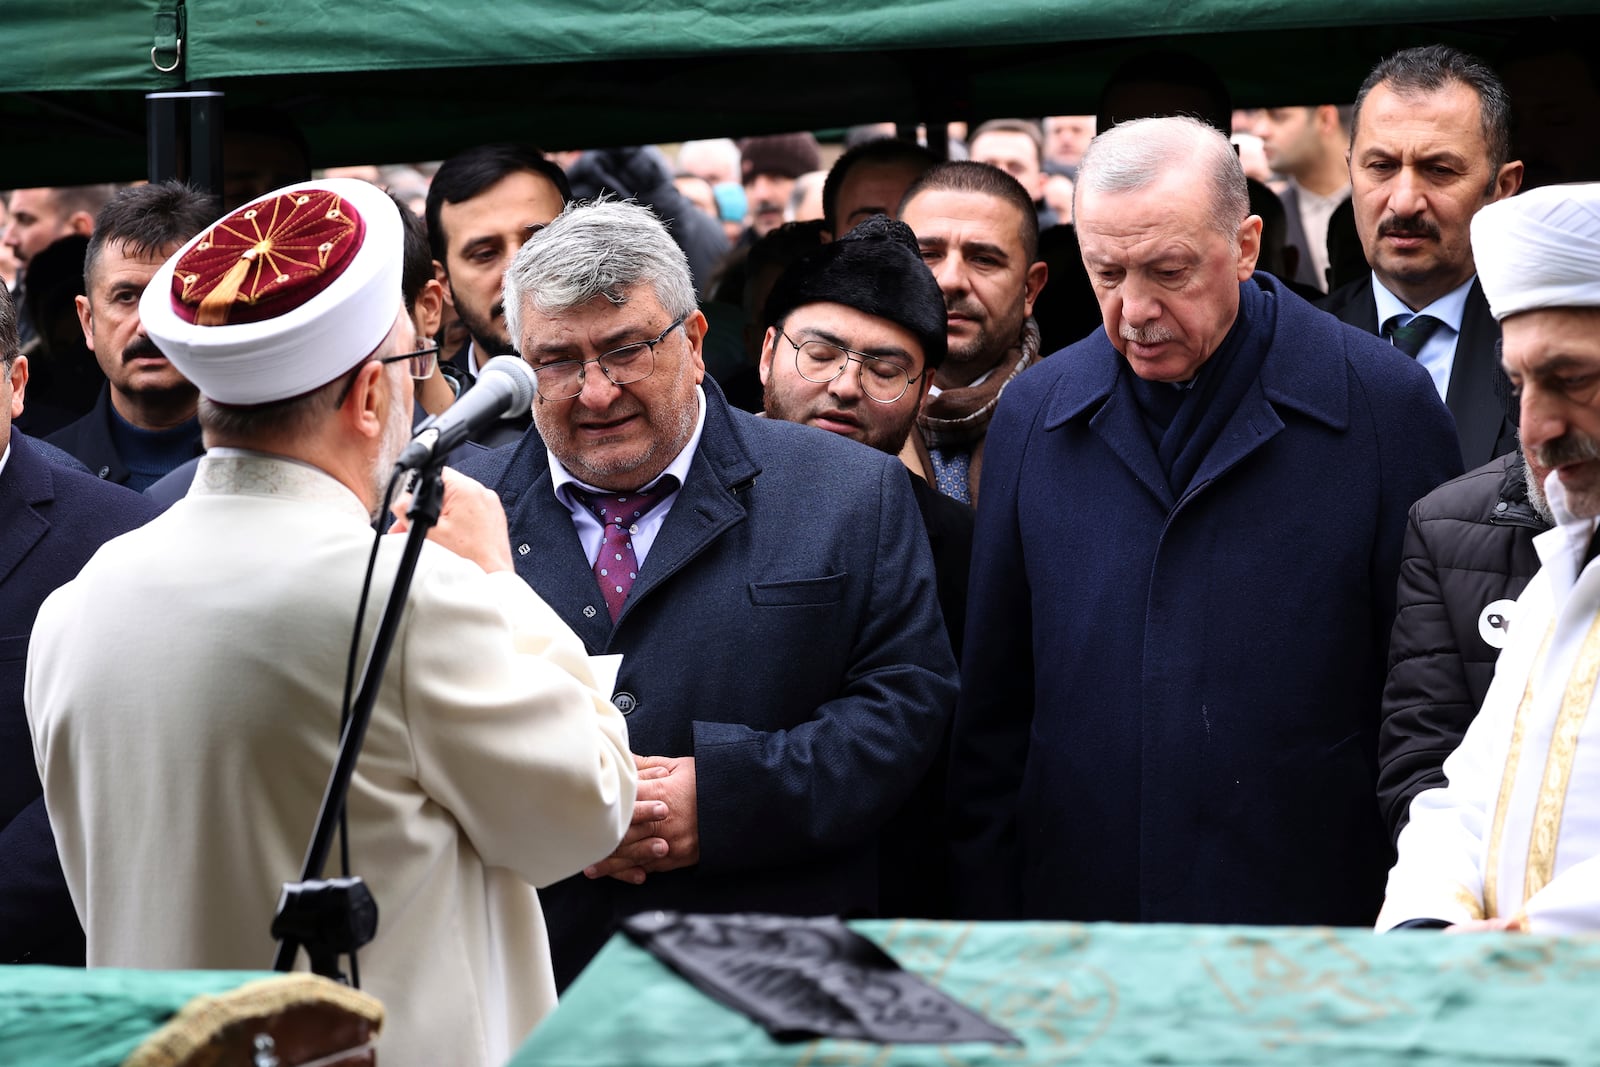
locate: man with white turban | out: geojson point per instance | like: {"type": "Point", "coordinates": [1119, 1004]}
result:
{"type": "Point", "coordinates": [184, 691]}
{"type": "Point", "coordinates": [1512, 841]}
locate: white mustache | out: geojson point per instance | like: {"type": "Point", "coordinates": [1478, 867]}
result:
{"type": "Point", "coordinates": [1153, 334]}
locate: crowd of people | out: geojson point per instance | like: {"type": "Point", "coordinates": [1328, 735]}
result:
{"type": "Point", "coordinates": [1073, 530]}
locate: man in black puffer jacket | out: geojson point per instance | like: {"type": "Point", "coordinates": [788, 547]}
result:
{"type": "Point", "coordinates": [1468, 554]}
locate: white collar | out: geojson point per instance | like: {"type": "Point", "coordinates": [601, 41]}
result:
{"type": "Point", "coordinates": [563, 481]}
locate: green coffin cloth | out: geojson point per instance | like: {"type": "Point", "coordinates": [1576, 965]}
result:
{"type": "Point", "coordinates": [62, 1017]}
{"type": "Point", "coordinates": [1114, 994]}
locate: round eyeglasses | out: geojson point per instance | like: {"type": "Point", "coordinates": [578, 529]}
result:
{"type": "Point", "coordinates": [563, 380]}
{"type": "Point", "coordinates": [821, 362]}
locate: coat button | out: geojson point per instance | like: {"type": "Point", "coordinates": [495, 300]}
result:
{"type": "Point", "coordinates": [105, 472]}
{"type": "Point", "coordinates": [625, 702]}
{"type": "Point", "coordinates": [588, 611]}
{"type": "Point", "coordinates": [523, 550]}
{"type": "Point", "coordinates": [1500, 506]}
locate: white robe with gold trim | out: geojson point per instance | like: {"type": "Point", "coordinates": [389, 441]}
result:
{"type": "Point", "coordinates": [1516, 831]}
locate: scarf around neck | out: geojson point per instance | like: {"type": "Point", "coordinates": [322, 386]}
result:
{"type": "Point", "coordinates": [961, 416]}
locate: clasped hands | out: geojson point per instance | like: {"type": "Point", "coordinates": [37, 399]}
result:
{"type": "Point", "coordinates": [665, 832]}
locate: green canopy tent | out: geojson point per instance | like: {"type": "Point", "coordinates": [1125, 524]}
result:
{"type": "Point", "coordinates": [414, 79]}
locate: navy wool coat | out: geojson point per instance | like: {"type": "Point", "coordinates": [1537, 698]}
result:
{"type": "Point", "coordinates": [52, 519]}
{"type": "Point", "coordinates": [784, 631]}
{"type": "Point", "coordinates": [1170, 708]}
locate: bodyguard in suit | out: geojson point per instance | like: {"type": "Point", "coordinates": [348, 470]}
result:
{"type": "Point", "coordinates": [786, 675]}
{"type": "Point", "coordinates": [143, 425]}
{"type": "Point", "coordinates": [1308, 146]}
{"type": "Point", "coordinates": [1183, 577]}
{"type": "Point", "coordinates": [52, 519]}
{"type": "Point", "coordinates": [1429, 147]}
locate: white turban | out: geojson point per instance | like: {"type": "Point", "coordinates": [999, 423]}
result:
{"type": "Point", "coordinates": [1540, 249]}
{"type": "Point", "coordinates": [283, 295]}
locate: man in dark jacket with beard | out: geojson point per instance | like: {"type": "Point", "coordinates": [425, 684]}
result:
{"type": "Point", "coordinates": [1468, 555]}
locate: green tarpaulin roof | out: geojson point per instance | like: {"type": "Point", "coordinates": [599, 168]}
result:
{"type": "Point", "coordinates": [389, 80]}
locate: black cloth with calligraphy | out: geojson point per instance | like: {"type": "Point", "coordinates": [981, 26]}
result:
{"type": "Point", "coordinates": [804, 978]}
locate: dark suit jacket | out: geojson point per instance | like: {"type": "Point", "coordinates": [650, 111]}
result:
{"type": "Point", "coordinates": [785, 632]}
{"type": "Point", "coordinates": [916, 852]}
{"type": "Point", "coordinates": [1306, 272]}
{"type": "Point", "coordinates": [1169, 707]}
{"type": "Point", "coordinates": [52, 519]}
{"type": "Point", "coordinates": [89, 441]}
{"type": "Point", "coordinates": [949, 523]}
{"type": "Point", "coordinates": [1480, 394]}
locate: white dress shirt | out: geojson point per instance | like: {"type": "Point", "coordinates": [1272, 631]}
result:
{"type": "Point", "coordinates": [1438, 353]}
{"type": "Point", "coordinates": [590, 533]}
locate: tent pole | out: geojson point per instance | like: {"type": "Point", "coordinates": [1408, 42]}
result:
{"type": "Point", "coordinates": [185, 137]}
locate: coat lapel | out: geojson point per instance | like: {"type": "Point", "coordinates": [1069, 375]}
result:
{"type": "Point", "coordinates": [1096, 384]}
{"type": "Point", "coordinates": [1475, 390]}
{"type": "Point", "coordinates": [547, 552]}
{"type": "Point", "coordinates": [25, 483]}
{"type": "Point", "coordinates": [550, 558]}
{"type": "Point", "coordinates": [1288, 379]}
{"type": "Point", "coordinates": [1252, 424]}
{"type": "Point", "coordinates": [1121, 427]}
{"type": "Point", "coordinates": [708, 504]}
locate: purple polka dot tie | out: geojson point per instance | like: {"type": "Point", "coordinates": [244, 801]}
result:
{"type": "Point", "coordinates": [616, 567]}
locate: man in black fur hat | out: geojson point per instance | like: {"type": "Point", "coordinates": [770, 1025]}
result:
{"type": "Point", "coordinates": [858, 330]}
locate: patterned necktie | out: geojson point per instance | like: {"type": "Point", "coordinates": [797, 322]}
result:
{"type": "Point", "coordinates": [616, 566]}
{"type": "Point", "coordinates": [1413, 335]}
{"type": "Point", "coordinates": [951, 472]}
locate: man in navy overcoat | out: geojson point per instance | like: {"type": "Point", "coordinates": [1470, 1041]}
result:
{"type": "Point", "coordinates": [1184, 577]}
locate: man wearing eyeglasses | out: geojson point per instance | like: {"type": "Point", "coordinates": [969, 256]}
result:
{"type": "Point", "coordinates": [424, 297]}
{"type": "Point", "coordinates": [184, 691]}
{"type": "Point", "coordinates": [785, 672]}
{"type": "Point", "coordinates": [858, 332]}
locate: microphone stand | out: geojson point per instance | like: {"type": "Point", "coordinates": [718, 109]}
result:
{"type": "Point", "coordinates": [337, 916]}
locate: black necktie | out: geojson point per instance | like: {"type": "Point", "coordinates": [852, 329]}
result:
{"type": "Point", "coordinates": [1413, 335]}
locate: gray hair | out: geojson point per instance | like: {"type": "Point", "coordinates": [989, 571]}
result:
{"type": "Point", "coordinates": [606, 248]}
{"type": "Point", "coordinates": [1136, 154]}
{"type": "Point", "coordinates": [292, 417]}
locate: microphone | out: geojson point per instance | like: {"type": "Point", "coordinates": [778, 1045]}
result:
{"type": "Point", "coordinates": [504, 390]}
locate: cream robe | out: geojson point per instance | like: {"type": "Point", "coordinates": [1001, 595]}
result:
{"type": "Point", "coordinates": [184, 693]}
{"type": "Point", "coordinates": [1517, 828]}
